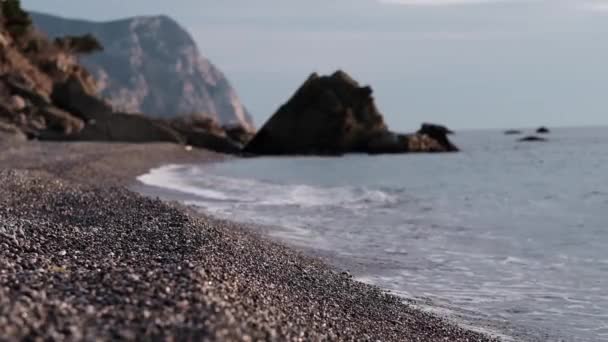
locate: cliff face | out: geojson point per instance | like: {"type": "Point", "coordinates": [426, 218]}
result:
{"type": "Point", "coordinates": [46, 94]}
{"type": "Point", "coordinates": [152, 65]}
{"type": "Point", "coordinates": [30, 69]}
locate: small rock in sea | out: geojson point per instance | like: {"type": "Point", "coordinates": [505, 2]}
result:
{"type": "Point", "coordinates": [532, 138]}
{"type": "Point", "coordinates": [543, 130]}
{"type": "Point", "coordinates": [512, 132]}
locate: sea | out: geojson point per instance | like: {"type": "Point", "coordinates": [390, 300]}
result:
{"type": "Point", "coordinates": [504, 237]}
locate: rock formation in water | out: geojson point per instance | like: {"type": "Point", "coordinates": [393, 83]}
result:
{"type": "Point", "coordinates": [335, 115]}
{"type": "Point", "coordinates": [152, 65]}
{"type": "Point", "coordinates": [512, 132]}
{"type": "Point", "coordinates": [532, 138]}
{"type": "Point", "coordinates": [543, 130]}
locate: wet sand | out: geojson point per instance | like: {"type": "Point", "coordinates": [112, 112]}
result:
{"type": "Point", "coordinates": [84, 258]}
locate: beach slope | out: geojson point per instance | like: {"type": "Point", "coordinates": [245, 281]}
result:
{"type": "Point", "coordinates": [82, 257]}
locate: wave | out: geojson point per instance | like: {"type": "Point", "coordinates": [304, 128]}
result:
{"type": "Point", "coordinates": [197, 181]}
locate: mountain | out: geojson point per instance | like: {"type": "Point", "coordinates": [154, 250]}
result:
{"type": "Point", "coordinates": [152, 65]}
{"type": "Point", "coordinates": [46, 94]}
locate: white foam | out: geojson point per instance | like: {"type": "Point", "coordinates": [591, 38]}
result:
{"type": "Point", "coordinates": [238, 190]}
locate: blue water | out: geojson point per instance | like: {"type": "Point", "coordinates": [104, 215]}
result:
{"type": "Point", "coordinates": [508, 236]}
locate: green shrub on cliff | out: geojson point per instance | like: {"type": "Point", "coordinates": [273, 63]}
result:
{"type": "Point", "coordinates": [79, 44]}
{"type": "Point", "coordinates": [16, 20]}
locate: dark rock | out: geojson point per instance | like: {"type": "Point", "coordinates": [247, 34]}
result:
{"type": "Point", "coordinates": [60, 120]}
{"type": "Point", "coordinates": [532, 138]}
{"type": "Point", "coordinates": [543, 130]}
{"type": "Point", "coordinates": [202, 131]}
{"type": "Point", "coordinates": [239, 134]}
{"type": "Point", "coordinates": [123, 127]}
{"type": "Point", "coordinates": [513, 132]}
{"type": "Point", "coordinates": [18, 87]}
{"type": "Point", "coordinates": [72, 96]}
{"type": "Point", "coordinates": [440, 134]}
{"type": "Point", "coordinates": [202, 139]}
{"type": "Point", "coordinates": [197, 122]}
{"type": "Point", "coordinates": [10, 133]}
{"type": "Point", "coordinates": [332, 115]}
{"type": "Point", "coordinates": [327, 115]}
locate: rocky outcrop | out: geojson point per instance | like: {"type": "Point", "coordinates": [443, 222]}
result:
{"type": "Point", "coordinates": [45, 94]}
{"type": "Point", "coordinates": [532, 138]}
{"type": "Point", "coordinates": [30, 65]}
{"type": "Point", "coordinates": [543, 130]}
{"type": "Point", "coordinates": [152, 65]}
{"type": "Point", "coordinates": [439, 134]}
{"type": "Point", "coordinates": [335, 115]}
{"type": "Point", "coordinates": [10, 134]}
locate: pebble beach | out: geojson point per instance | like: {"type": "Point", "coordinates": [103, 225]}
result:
{"type": "Point", "coordinates": [82, 257]}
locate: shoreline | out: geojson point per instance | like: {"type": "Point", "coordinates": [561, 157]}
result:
{"type": "Point", "coordinates": [359, 270]}
{"type": "Point", "coordinates": [140, 267]}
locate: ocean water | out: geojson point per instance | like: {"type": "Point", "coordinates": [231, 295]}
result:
{"type": "Point", "coordinates": [508, 237]}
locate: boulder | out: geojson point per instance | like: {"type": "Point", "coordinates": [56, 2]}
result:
{"type": "Point", "coordinates": [327, 115]}
{"type": "Point", "coordinates": [10, 133]}
{"type": "Point", "coordinates": [123, 127]}
{"type": "Point", "coordinates": [203, 139]}
{"type": "Point", "coordinates": [18, 86]}
{"type": "Point", "coordinates": [440, 134]}
{"type": "Point", "coordinates": [239, 134]}
{"type": "Point", "coordinates": [74, 96]}
{"type": "Point", "coordinates": [198, 122]}
{"type": "Point", "coordinates": [532, 138]}
{"type": "Point", "coordinates": [17, 103]}
{"type": "Point", "coordinates": [60, 120]}
{"type": "Point", "coordinates": [204, 131]}
{"type": "Point", "coordinates": [543, 130]}
{"type": "Point", "coordinates": [422, 143]}
{"type": "Point", "coordinates": [332, 115]}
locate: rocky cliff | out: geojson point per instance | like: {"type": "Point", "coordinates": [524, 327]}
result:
{"type": "Point", "coordinates": [46, 94]}
{"type": "Point", "coordinates": [152, 65]}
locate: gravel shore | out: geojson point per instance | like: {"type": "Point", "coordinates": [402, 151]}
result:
{"type": "Point", "coordinates": [83, 258]}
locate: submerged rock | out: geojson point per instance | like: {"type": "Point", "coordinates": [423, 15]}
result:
{"type": "Point", "coordinates": [332, 115]}
{"type": "Point", "coordinates": [543, 130]}
{"type": "Point", "coordinates": [532, 138]}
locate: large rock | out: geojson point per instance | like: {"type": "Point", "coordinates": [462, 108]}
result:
{"type": "Point", "coordinates": [327, 115]}
{"type": "Point", "coordinates": [335, 115]}
{"type": "Point", "coordinates": [10, 133]}
{"type": "Point", "coordinates": [152, 65]}
{"type": "Point", "coordinates": [122, 127]}
{"type": "Point", "coordinates": [202, 131]}
{"type": "Point", "coordinates": [440, 134]}
{"type": "Point", "coordinates": [60, 120]}
{"type": "Point", "coordinates": [71, 95]}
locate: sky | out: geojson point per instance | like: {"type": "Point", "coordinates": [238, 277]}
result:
{"type": "Point", "coordinates": [468, 64]}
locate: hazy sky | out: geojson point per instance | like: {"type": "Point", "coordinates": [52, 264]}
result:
{"type": "Point", "coordinates": [465, 63]}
